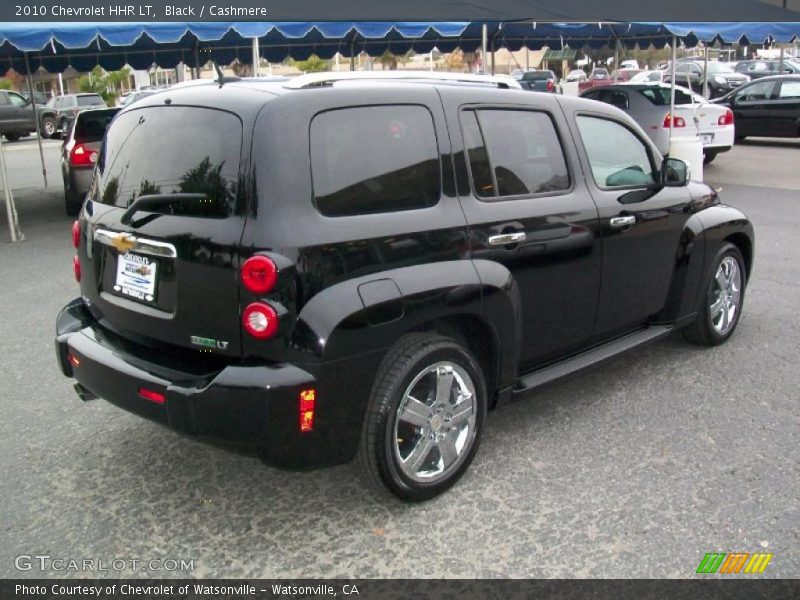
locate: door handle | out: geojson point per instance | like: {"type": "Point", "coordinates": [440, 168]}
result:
{"type": "Point", "coordinates": [621, 222]}
{"type": "Point", "coordinates": [505, 239]}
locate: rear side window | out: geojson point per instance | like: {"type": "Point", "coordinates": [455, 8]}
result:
{"type": "Point", "coordinates": [374, 159]}
{"type": "Point", "coordinates": [790, 89]}
{"type": "Point", "coordinates": [167, 150]}
{"type": "Point", "coordinates": [513, 153]}
{"type": "Point", "coordinates": [91, 125]}
{"type": "Point", "coordinates": [90, 100]}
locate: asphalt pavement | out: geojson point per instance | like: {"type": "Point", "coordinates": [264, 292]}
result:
{"type": "Point", "coordinates": [634, 470]}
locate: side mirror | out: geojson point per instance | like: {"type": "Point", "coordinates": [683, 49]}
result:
{"type": "Point", "coordinates": [674, 173]}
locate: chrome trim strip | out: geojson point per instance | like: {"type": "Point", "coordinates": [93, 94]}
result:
{"type": "Point", "coordinates": [140, 245]}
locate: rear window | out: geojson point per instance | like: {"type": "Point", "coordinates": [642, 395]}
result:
{"type": "Point", "coordinates": [90, 101]}
{"type": "Point", "coordinates": [374, 159]}
{"type": "Point", "coordinates": [91, 126]}
{"type": "Point", "coordinates": [660, 96]}
{"type": "Point", "coordinates": [537, 75]}
{"type": "Point", "coordinates": [168, 150]}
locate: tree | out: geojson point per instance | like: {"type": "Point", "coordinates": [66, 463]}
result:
{"type": "Point", "coordinates": [313, 64]}
{"type": "Point", "coordinates": [454, 61]}
{"type": "Point", "coordinates": [104, 83]}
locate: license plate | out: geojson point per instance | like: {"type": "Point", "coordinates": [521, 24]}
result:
{"type": "Point", "coordinates": [136, 277]}
{"type": "Point", "coordinates": [708, 138]}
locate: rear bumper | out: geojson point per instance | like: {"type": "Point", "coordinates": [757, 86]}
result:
{"type": "Point", "coordinates": [254, 406]}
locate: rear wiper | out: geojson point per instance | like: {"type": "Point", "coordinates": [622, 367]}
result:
{"type": "Point", "coordinates": [153, 200]}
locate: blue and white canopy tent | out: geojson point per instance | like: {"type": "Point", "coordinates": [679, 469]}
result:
{"type": "Point", "coordinates": [55, 46]}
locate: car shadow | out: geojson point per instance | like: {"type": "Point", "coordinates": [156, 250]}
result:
{"type": "Point", "coordinates": [774, 142]}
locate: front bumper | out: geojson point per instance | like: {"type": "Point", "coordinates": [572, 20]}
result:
{"type": "Point", "coordinates": [244, 405]}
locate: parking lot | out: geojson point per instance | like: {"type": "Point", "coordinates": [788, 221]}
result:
{"type": "Point", "coordinates": [634, 470]}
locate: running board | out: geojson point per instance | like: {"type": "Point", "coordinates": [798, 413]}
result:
{"type": "Point", "coordinates": [588, 359]}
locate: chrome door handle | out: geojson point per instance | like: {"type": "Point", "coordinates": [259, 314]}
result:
{"type": "Point", "coordinates": [620, 222]}
{"type": "Point", "coordinates": [507, 238]}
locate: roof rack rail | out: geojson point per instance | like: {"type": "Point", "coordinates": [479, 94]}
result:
{"type": "Point", "coordinates": [329, 78]}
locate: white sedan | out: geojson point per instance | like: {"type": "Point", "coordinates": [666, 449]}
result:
{"type": "Point", "coordinates": [649, 105]}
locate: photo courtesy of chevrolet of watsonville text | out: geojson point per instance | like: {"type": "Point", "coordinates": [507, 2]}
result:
{"type": "Point", "coordinates": [358, 267]}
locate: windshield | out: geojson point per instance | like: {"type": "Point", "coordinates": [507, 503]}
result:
{"type": "Point", "coordinates": [718, 67]}
{"type": "Point", "coordinates": [661, 96]}
{"type": "Point", "coordinates": [537, 75]}
{"type": "Point", "coordinates": [92, 100]}
{"type": "Point", "coordinates": [91, 125]}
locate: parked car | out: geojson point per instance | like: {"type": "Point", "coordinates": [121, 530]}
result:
{"type": "Point", "coordinates": [58, 112]}
{"type": "Point", "coordinates": [599, 74]}
{"type": "Point", "coordinates": [134, 96]}
{"type": "Point", "coordinates": [648, 77]}
{"type": "Point", "coordinates": [16, 116]}
{"type": "Point", "coordinates": [622, 75]}
{"type": "Point", "coordinates": [576, 75]}
{"type": "Point", "coordinates": [769, 106]}
{"type": "Point", "coordinates": [598, 77]}
{"type": "Point", "coordinates": [539, 81]}
{"type": "Point", "coordinates": [721, 77]}
{"type": "Point", "coordinates": [756, 69]}
{"type": "Point", "coordinates": [82, 144]}
{"type": "Point", "coordinates": [328, 272]}
{"type": "Point", "coordinates": [649, 105]}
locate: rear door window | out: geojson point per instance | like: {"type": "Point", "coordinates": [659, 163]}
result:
{"type": "Point", "coordinates": [756, 92]}
{"type": "Point", "coordinates": [168, 150]}
{"type": "Point", "coordinates": [513, 153]}
{"type": "Point", "coordinates": [374, 159]}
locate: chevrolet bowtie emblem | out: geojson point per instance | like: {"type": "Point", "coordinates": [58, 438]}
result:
{"type": "Point", "coordinates": [123, 242]}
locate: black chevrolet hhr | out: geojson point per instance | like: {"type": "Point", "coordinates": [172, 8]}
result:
{"type": "Point", "coordinates": [347, 267]}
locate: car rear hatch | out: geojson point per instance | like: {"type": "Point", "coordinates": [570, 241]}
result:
{"type": "Point", "coordinates": [164, 219]}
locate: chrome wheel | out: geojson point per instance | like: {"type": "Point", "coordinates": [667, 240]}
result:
{"type": "Point", "coordinates": [726, 295]}
{"type": "Point", "coordinates": [49, 127]}
{"type": "Point", "coordinates": [435, 423]}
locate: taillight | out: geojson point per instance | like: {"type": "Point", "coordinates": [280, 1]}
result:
{"type": "Point", "coordinates": [152, 395]}
{"type": "Point", "coordinates": [679, 122]}
{"type": "Point", "coordinates": [259, 274]}
{"type": "Point", "coordinates": [260, 320]}
{"type": "Point", "coordinates": [550, 85]}
{"type": "Point", "coordinates": [76, 268]}
{"type": "Point", "coordinates": [81, 156]}
{"type": "Point", "coordinates": [76, 234]}
{"type": "Point", "coordinates": [726, 119]}
{"type": "Point", "coordinates": [308, 401]}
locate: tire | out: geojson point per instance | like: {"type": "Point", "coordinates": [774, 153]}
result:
{"type": "Point", "coordinates": [439, 432]}
{"type": "Point", "coordinates": [48, 127]}
{"type": "Point", "coordinates": [72, 202]}
{"type": "Point", "coordinates": [709, 157]}
{"type": "Point", "coordinates": [12, 137]}
{"type": "Point", "coordinates": [739, 138]}
{"type": "Point", "coordinates": [713, 326]}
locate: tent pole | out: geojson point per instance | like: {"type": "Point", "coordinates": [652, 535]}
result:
{"type": "Point", "coordinates": [484, 47]}
{"type": "Point", "coordinates": [705, 70]}
{"type": "Point", "coordinates": [674, 51]}
{"type": "Point", "coordinates": [780, 64]}
{"type": "Point", "coordinates": [353, 54]}
{"type": "Point", "coordinates": [616, 59]}
{"type": "Point", "coordinates": [36, 119]}
{"type": "Point", "coordinates": [256, 56]}
{"type": "Point", "coordinates": [493, 50]}
{"type": "Point", "coordinates": [11, 210]}
{"type": "Point", "coordinates": [196, 59]}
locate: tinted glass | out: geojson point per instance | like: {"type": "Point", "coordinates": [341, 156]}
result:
{"type": "Point", "coordinates": [477, 155]}
{"type": "Point", "coordinates": [537, 76]}
{"type": "Point", "coordinates": [91, 125]}
{"type": "Point", "coordinates": [167, 150]}
{"type": "Point", "coordinates": [90, 100]}
{"type": "Point", "coordinates": [718, 67]}
{"type": "Point", "coordinates": [617, 156]}
{"type": "Point", "coordinates": [660, 96]}
{"type": "Point", "coordinates": [616, 98]}
{"type": "Point", "coordinates": [374, 159]}
{"type": "Point", "coordinates": [761, 90]}
{"type": "Point", "coordinates": [525, 153]}
{"type": "Point", "coordinates": [790, 89]}
{"type": "Point", "coordinates": [4, 99]}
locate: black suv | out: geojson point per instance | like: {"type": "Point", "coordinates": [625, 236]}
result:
{"type": "Point", "coordinates": [362, 269]}
{"type": "Point", "coordinates": [721, 77]}
{"type": "Point", "coordinates": [56, 116]}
